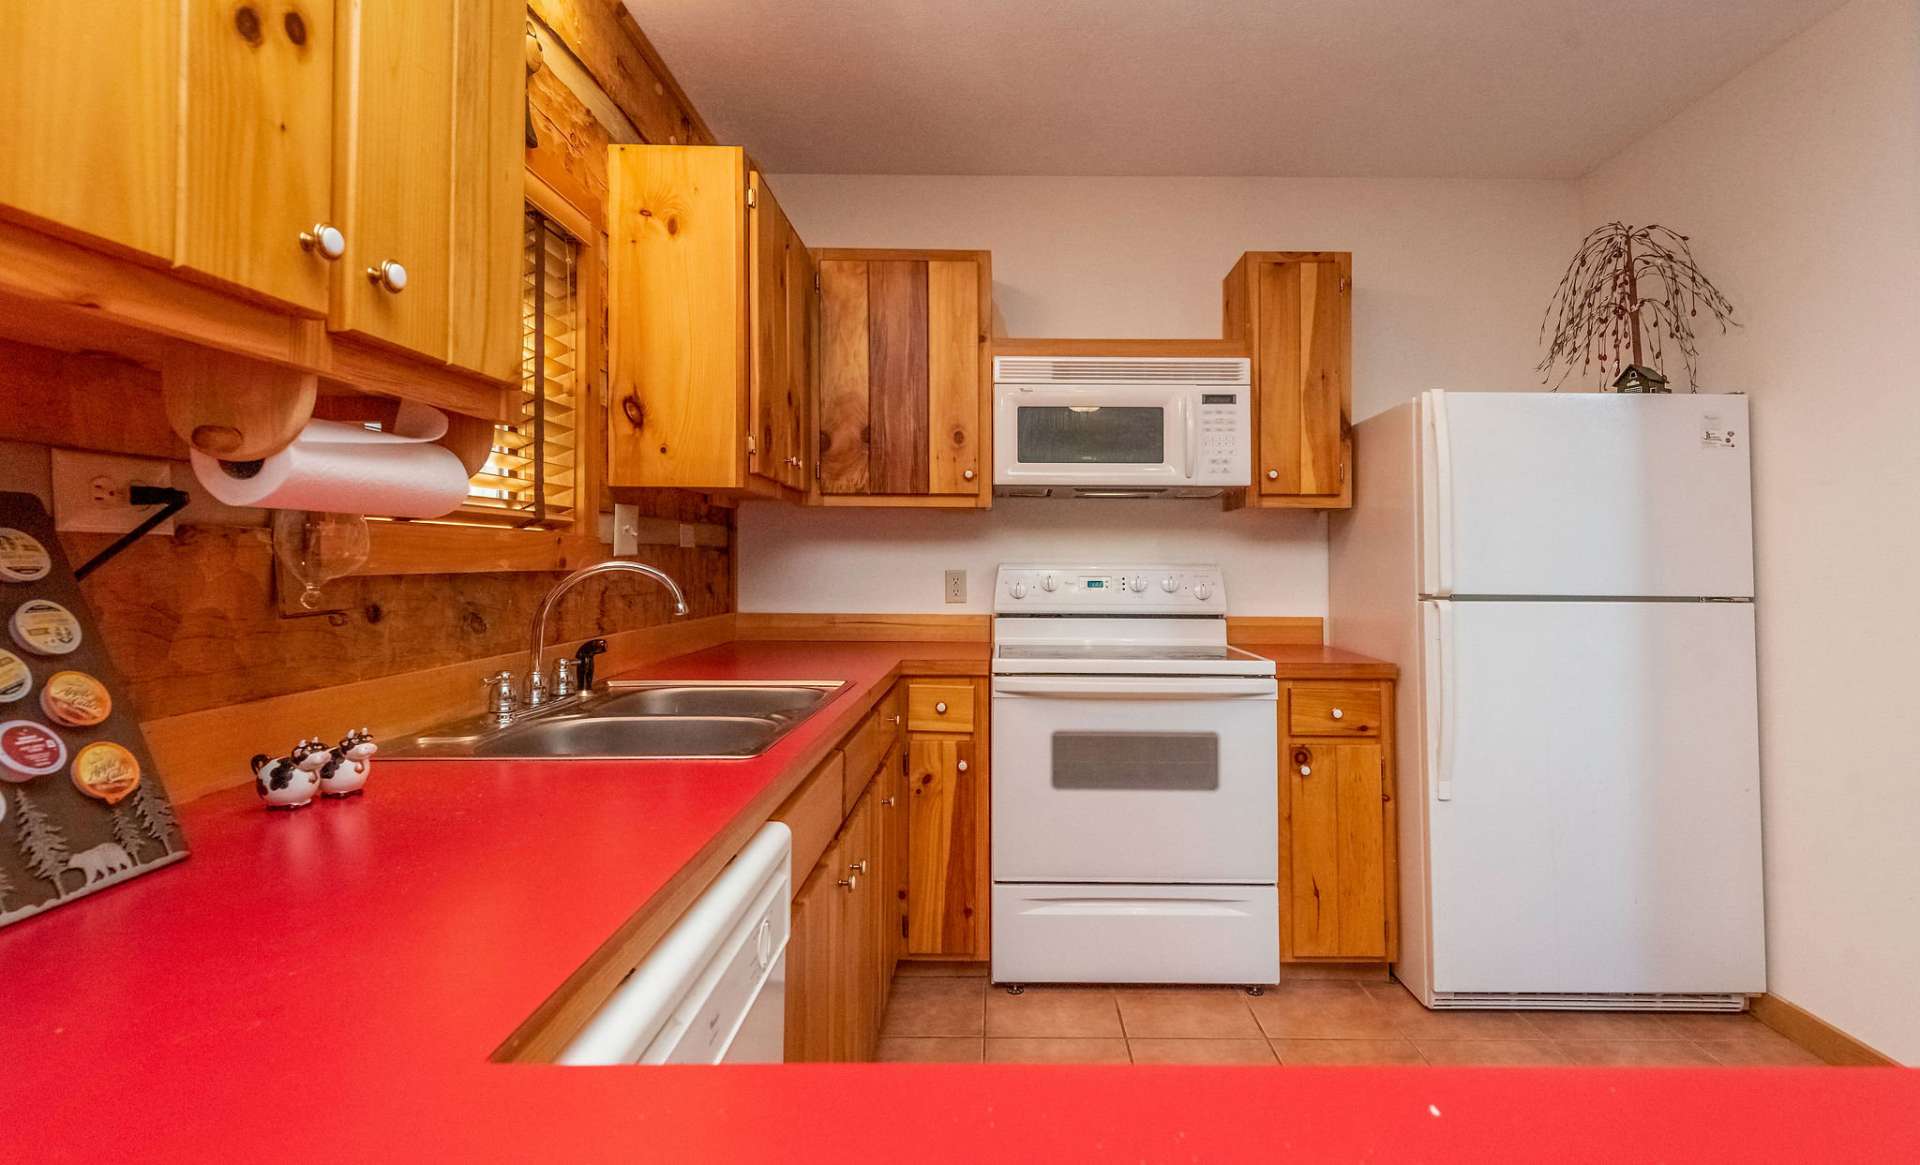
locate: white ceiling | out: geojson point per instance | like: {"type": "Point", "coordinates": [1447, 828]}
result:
{"type": "Point", "coordinates": [1406, 88]}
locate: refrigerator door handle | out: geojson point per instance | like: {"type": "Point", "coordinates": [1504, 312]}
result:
{"type": "Point", "coordinates": [1440, 701]}
{"type": "Point", "coordinates": [1443, 490]}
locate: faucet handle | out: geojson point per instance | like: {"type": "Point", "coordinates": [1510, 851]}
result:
{"type": "Point", "coordinates": [501, 697]}
{"type": "Point", "coordinates": [563, 685]}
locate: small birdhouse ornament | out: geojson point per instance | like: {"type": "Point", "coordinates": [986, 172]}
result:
{"type": "Point", "coordinates": [348, 764]}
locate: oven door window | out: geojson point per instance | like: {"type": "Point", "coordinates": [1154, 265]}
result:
{"type": "Point", "coordinates": [1176, 762]}
{"type": "Point", "coordinates": [1091, 435]}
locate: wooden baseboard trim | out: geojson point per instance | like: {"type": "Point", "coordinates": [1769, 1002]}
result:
{"type": "Point", "coordinates": [1816, 1035]}
{"type": "Point", "coordinates": [912, 628]}
{"type": "Point", "coordinates": [202, 752]}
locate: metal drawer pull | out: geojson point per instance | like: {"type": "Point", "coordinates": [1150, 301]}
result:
{"type": "Point", "coordinates": [851, 881]}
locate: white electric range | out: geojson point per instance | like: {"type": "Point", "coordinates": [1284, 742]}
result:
{"type": "Point", "coordinates": [1135, 800]}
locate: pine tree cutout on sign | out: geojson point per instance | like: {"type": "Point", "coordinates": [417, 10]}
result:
{"type": "Point", "coordinates": [156, 817]}
{"type": "Point", "coordinates": [42, 842]}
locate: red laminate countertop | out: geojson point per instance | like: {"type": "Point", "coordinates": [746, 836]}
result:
{"type": "Point", "coordinates": [329, 983]}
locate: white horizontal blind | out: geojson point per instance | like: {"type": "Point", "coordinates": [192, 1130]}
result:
{"type": "Point", "coordinates": [530, 475]}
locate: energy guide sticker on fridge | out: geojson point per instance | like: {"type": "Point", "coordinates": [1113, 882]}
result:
{"type": "Point", "coordinates": [1715, 433]}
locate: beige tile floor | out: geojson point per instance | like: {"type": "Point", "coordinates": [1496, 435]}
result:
{"type": "Point", "coordinates": [949, 1012]}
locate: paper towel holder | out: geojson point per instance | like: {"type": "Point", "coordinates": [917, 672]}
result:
{"type": "Point", "coordinates": [233, 408]}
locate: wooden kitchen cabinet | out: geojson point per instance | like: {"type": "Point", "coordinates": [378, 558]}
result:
{"type": "Point", "coordinates": [711, 310]}
{"type": "Point", "coordinates": [948, 888]}
{"type": "Point", "coordinates": [1294, 311]}
{"type": "Point", "coordinates": [835, 948]}
{"type": "Point", "coordinates": [1338, 871]}
{"type": "Point", "coordinates": [426, 179]}
{"type": "Point", "coordinates": [904, 412]}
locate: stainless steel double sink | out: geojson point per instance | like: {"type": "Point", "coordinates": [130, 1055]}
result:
{"type": "Point", "coordinates": [679, 720]}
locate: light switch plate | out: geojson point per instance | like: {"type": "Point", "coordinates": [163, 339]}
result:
{"type": "Point", "coordinates": [90, 491]}
{"type": "Point", "coordinates": [956, 586]}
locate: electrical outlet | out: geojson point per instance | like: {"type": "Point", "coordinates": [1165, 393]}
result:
{"type": "Point", "coordinates": [626, 532]}
{"type": "Point", "coordinates": [956, 586]}
{"type": "Point", "coordinates": [687, 538]}
{"type": "Point", "coordinates": [90, 491]}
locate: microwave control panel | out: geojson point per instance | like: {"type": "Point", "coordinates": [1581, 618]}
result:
{"type": "Point", "coordinates": [1225, 453]}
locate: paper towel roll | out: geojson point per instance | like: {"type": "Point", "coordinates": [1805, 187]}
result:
{"type": "Point", "coordinates": [340, 468]}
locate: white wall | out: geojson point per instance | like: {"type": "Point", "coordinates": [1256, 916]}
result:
{"type": "Point", "coordinates": [1450, 278]}
{"type": "Point", "coordinates": [1799, 182]}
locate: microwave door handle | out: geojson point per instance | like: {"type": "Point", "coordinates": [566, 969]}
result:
{"type": "Point", "coordinates": [1192, 433]}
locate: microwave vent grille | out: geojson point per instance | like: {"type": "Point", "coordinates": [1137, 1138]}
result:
{"type": "Point", "coordinates": [1119, 370]}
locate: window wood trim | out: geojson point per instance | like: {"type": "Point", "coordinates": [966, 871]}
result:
{"type": "Point", "coordinates": [458, 547]}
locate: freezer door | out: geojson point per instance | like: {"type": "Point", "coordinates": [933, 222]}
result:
{"type": "Point", "coordinates": [1585, 494]}
{"type": "Point", "coordinates": [1592, 797]}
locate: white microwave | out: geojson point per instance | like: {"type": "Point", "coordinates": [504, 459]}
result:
{"type": "Point", "coordinates": [1121, 426]}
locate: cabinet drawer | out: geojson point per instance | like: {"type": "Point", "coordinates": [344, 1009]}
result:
{"type": "Point", "coordinates": [868, 746]}
{"type": "Point", "coordinates": [1334, 710]}
{"type": "Point", "coordinates": [940, 706]}
{"type": "Point", "coordinates": [814, 814]}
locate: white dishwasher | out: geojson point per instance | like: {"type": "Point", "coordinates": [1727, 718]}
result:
{"type": "Point", "coordinates": [715, 989]}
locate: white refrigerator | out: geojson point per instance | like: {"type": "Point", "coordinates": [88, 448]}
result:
{"type": "Point", "coordinates": [1566, 582]}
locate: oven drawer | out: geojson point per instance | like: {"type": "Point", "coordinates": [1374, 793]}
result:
{"type": "Point", "coordinates": [1135, 934]}
{"type": "Point", "coordinates": [1334, 710]}
{"type": "Point", "coordinates": [940, 706]}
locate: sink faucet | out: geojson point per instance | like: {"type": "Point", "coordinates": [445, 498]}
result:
{"type": "Point", "coordinates": [536, 683]}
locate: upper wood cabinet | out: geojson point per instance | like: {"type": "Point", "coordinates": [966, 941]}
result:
{"type": "Point", "coordinates": [197, 134]}
{"type": "Point", "coordinates": [427, 179]}
{"type": "Point", "coordinates": [1294, 311]}
{"type": "Point", "coordinates": [904, 402]}
{"type": "Point", "coordinates": [711, 310]}
{"type": "Point", "coordinates": [246, 164]}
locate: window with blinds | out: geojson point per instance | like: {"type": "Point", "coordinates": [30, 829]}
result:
{"type": "Point", "coordinates": [530, 476]}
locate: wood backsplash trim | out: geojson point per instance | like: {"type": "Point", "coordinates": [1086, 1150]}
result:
{"type": "Point", "coordinates": [201, 752]}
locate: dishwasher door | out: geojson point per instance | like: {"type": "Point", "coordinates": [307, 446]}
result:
{"type": "Point", "coordinates": [714, 988]}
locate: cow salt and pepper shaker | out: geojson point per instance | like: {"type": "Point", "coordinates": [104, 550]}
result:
{"type": "Point", "coordinates": [290, 781]}
{"type": "Point", "coordinates": [348, 765]}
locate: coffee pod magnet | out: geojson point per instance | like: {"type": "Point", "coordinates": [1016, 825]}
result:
{"type": "Point", "coordinates": [15, 680]}
{"type": "Point", "coordinates": [75, 699]}
{"type": "Point", "coordinates": [29, 750]}
{"type": "Point", "coordinates": [106, 770]}
{"type": "Point", "coordinates": [44, 627]}
{"type": "Point", "coordinates": [22, 558]}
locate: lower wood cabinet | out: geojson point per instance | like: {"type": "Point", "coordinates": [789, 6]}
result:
{"type": "Point", "coordinates": [905, 873]}
{"type": "Point", "coordinates": [1338, 871]}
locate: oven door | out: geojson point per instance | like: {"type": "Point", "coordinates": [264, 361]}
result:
{"type": "Point", "coordinates": [1094, 434]}
{"type": "Point", "coordinates": [1134, 779]}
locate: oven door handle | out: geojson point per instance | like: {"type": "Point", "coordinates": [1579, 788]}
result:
{"type": "Point", "coordinates": [1137, 687]}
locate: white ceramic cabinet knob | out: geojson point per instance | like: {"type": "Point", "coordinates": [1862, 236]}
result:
{"type": "Point", "coordinates": [1337, 714]}
{"type": "Point", "coordinates": [1273, 475]}
{"type": "Point", "coordinates": [940, 708]}
{"type": "Point", "coordinates": [967, 474]}
{"type": "Point", "coordinates": [325, 240]}
{"type": "Point", "coordinates": [962, 766]}
{"type": "Point", "coordinates": [389, 276]}
{"type": "Point", "coordinates": [1306, 770]}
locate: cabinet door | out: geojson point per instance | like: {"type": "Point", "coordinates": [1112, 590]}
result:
{"type": "Point", "coordinates": [813, 946]}
{"type": "Point", "coordinates": [856, 1022]}
{"type": "Point", "coordinates": [1336, 852]}
{"type": "Point", "coordinates": [895, 820]}
{"type": "Point", "coordinates": [1302, 367]}
{"type": "Point", "coordinates": [89, 111]}
{"type": "Point", "coordinates": [843, 386]}
{"type": "Point", "coordinates": [956, 463]}
{"type": "Point", "coordinates": [803, 327]}
{"type": "Point", "coordinates": [947, 831]}
{"type": "Point", "coordinates": [488, 195]}
{"type": "Point", "coordinates": [258, 157]}
{"type": "Point", "coordinates": [392, 173]}
{"type": "Point", "coordinates": [769, 453]}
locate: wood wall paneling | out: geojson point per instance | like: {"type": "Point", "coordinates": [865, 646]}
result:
{"type": "Point", "coordinates": [614, 51]}
{"type": "Point", "coordinates": [844, 378]}
{"type": "Point", "coordinates": [897, 371]}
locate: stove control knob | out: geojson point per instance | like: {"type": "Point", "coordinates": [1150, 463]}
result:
{"type": "Point", "coordinates": [1169, 584]}
{"type": "Point", "coordinates": [1018, 590]}
{"type": "Point", "coordinates": [1139, 583]}
{"type": "Point", "coordinates": [1203, 591]}
{"type": "Point", "coordinates": [1047, 584]}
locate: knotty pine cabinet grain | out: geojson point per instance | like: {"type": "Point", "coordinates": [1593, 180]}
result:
{"type": "Point", "coordinates": [904, 406]}
{"type": "Point", "coordinates": [1338, 860]}
{"type": "Point", "coordinates": [1294, 311]}
{"type": "Point", "coordinates": [711, 322]}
